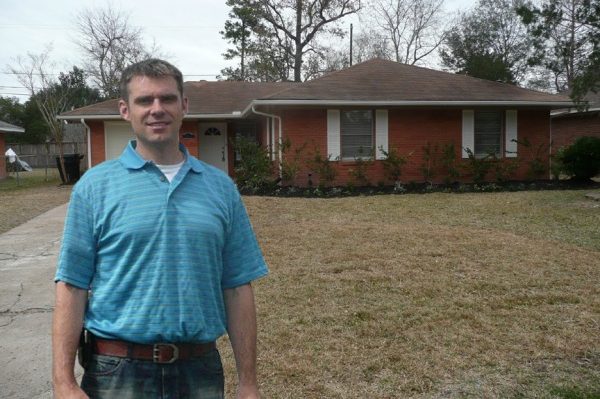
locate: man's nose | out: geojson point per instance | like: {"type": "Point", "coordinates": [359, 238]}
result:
{"type": "Point", "coordinates": [156, 107]}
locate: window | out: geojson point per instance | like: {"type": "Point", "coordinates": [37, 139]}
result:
{"type": "Point", "coordinates": [246, 132]}
{"type": "Point", "coordinates": [488, 133]}
{"type": "Point", "coordinates": [356, 130]}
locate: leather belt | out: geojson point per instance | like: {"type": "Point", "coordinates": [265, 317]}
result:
{"type": "Point", "coordinates": [158, 353]}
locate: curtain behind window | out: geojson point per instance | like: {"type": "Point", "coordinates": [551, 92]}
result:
{"type": "Point", "coordinates": [357, 133]}
{"type": "Point", "coordinates": [488, 132]}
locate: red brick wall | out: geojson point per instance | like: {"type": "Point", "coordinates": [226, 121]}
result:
{"type": "Point", "coordinates": [97, 141]}
{"type": "Point", "coordinates": [567, 128]}
{"type": "Point", "coordinates": [411, 129]}
{"type": "Point", "coordinates": [308, 129]}
{"type": "Point", "coordinates": [409, 132]}
{"type": "Point", "coordinates": [2, 157]}
{"type": "Point", "coordinates": [534, 126]}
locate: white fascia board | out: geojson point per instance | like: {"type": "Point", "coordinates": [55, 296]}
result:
{"type": "Point", "coordinates": [11, 130]}
{"type": "Point", "coordinates": [235, 115]}
{"type": "Point", "coordinates": [415, 103]}
{"type": "Point", "coordinates": [78, 118]}
{"type": "Point", "coordinates": [559, 112]}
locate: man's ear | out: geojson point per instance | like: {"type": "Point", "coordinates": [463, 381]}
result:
{"type": "Point", "coordinates": [124, 109]}
{"type": "Point", "coordinates": [185, 105]}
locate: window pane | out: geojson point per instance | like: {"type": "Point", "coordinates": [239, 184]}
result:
{"type": "Point", "coordinates": [245, 130]}
{"type": "Point", "coordinates": [356, 133]}
{"type": "Point", "coordinates": [488, 132]}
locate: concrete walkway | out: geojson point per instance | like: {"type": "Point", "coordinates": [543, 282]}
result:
{"type": "Point", "coordinates": [28, 256]}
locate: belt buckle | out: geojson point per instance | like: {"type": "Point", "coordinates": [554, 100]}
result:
{"type": "Point", "coordinates": [156, 350]}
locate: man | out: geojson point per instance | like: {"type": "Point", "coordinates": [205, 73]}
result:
{"type": "Point", "coordinates": [163, 244]}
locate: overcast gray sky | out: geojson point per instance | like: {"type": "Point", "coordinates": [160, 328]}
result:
{"type": "Point", "coordinates": [186, 30]}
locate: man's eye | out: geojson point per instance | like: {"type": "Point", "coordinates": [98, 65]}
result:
{"type": "Point", "coordinates": [144, 101]}
{"type": "Point", "coordinates": [169, 99]}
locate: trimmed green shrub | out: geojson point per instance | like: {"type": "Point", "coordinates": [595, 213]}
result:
{"type": "Point", "coordinates": [254, 169]}
{"type": "Point", "coordinates": [478, 167]}
{"type": "Point", "coordinates": [392, 164]}
{"type": "Point", "coordinates": [323, 167]}
{"type": "Point", "coordinates": [449, 163]}
{"type": "Point", "coordinates": [581, 160]}
{"type": "Point", "coordinates": [290, 163]}
{"type": "Point", "coordinates": [362, 163]}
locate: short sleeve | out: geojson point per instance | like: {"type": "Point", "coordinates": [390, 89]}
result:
{"type": "Point", "coordinates": [76, 261]}
{"type": "Point", "coordinates": [243, 261]}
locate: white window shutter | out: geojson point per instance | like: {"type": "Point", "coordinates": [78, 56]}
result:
{"type": "Point", "coordinates": [468, 131]}
{"type": "Point", "coordinates": [510, 147]}
{"type": "Point", "coordinates": [333, 133]}
{"type": "Point", "coordinates": [381, 133]}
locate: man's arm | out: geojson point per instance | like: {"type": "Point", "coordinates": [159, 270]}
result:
{"type": "Point", "coordinates": [241, 319]}
{"type": "Point", "coordinates": [67, 323]}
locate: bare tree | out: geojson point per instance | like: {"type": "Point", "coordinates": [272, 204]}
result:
{"type": "Point", "coordinates": [109, 44]}
{"type": "Point", "coordinates": [336, 56]}
{"type": "Point", "coordinates": [297, 24]}
{"type": "Point", "coordinates": [414, 28]}
{"type": "Point", "coordinates": [371, 44]}
{"type": "Point", "coordinates": [51, 97]}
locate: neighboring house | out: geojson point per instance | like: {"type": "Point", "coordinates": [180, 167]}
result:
{"type": "Point", "coordinates": [570, 123]}
{"type": "Point", "coordinates": [373, 106]}
{"type": "Point", "coordinates": [6, 128]}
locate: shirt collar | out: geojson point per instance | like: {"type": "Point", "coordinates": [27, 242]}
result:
{"type": "Point", "coordinates": [132, 160]}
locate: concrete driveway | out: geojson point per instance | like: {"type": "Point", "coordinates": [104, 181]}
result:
{"type": "Point", "coordinates": [28, 256]}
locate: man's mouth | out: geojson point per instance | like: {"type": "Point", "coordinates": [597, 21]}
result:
{"type": "Point", "coordinates": [158, 125]}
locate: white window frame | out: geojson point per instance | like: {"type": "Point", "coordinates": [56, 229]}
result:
{"type": "Point", "coordinates": [508, 133]}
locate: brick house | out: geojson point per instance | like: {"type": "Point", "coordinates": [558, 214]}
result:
{"type": "Point", "coordinates": [6, 128]}
{"type": "Point", "coordinates": [368, 109]}
{"type": "Point", "coordinates": [569, 123]}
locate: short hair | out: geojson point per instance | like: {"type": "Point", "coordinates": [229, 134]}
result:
{"type": "Point", "coordinates": [153, 68]}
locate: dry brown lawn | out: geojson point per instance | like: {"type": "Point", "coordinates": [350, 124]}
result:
{"type": "Point", "coordinates": [30, 198]}
{"type": "Point", "coordinates": [415, 296]}
{"type": "Point", "coordinates": [429, 296]}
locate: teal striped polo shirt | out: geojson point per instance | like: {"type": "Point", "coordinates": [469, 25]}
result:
{"type": "Point", "coordinates": [157, 255]}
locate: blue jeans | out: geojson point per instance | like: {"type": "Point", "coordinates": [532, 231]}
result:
{"type": "Point", "coordinates": [108, 377]}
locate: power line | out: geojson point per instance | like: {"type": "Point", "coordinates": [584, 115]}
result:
{"type": "Point", "coordinates": [16, 87]}
{"type": "Point", "coordinates": [62, 27]}
{"type": "Point", "coordinates": [27, 73]}
{"type": "Point", "coordinates": [56, 74]}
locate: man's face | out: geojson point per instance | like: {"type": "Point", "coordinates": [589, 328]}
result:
{"type": "Point", "coordinates": [155, 110]}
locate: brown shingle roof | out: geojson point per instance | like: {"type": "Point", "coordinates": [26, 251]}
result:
{"type": "Point", "coordinates": [205, 98]}
{"type": "Point", "coordinates": [382, 80]}
{"type": "Point", "coordinates": [226, 97]}
{"type": "Point", "coordinates": [104, 108]}
{"type": "Point", "coordinates": [379, 81]}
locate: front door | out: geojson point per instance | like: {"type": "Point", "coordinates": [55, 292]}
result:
{"type": "Point", "coordinates": [213, 144]}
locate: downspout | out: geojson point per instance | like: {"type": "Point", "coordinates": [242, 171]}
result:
{"type": "Point", "coordinates": [89, 143]}
{"type": "Point", "coordinates": [280, 133]}
{"type": "Point", "coordinates": [550, 148]}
